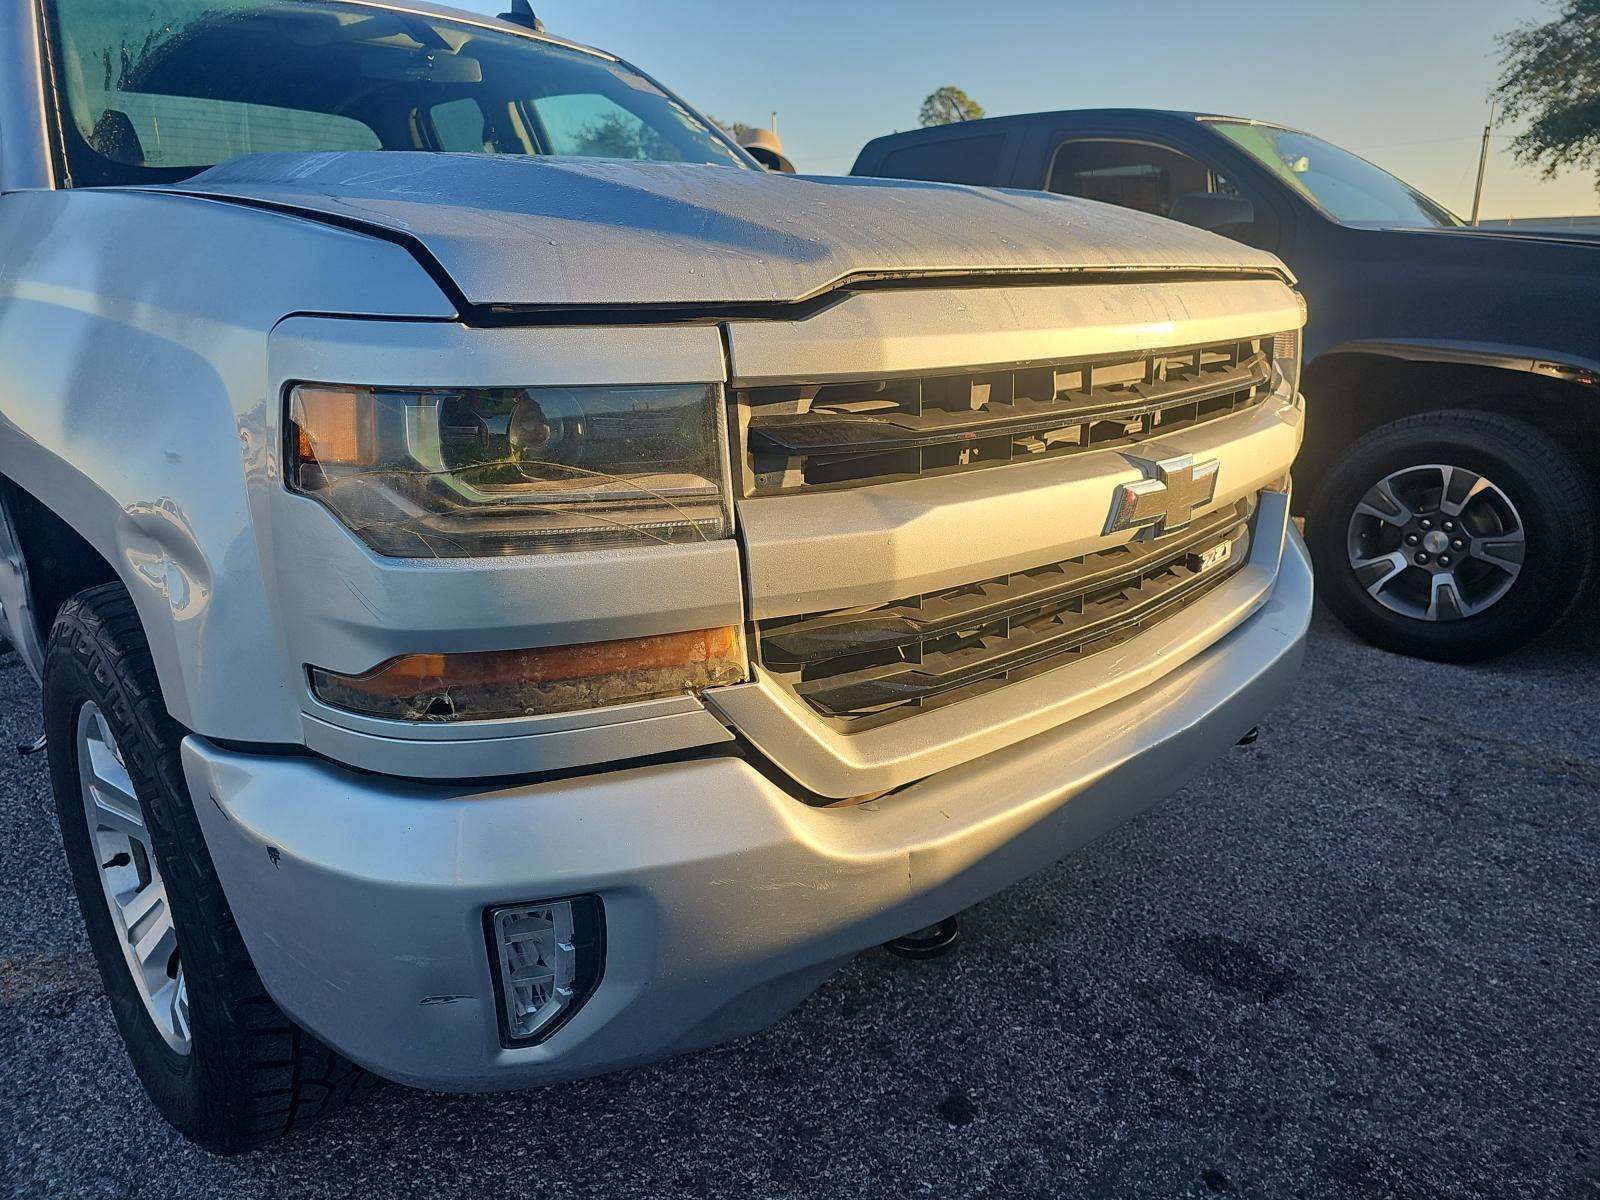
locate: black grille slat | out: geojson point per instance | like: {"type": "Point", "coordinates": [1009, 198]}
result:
{"type": "Point", "coordinates": [870, 431]}
{"type": "Point", "coordinates": [865, 667]}
{"type": "Point", "coordinates": [868, 692]}
{"type": "Point", "coordinates": [833, 635]}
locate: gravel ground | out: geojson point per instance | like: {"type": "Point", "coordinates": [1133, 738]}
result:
{"type": "Point", "coordinates": [1358, 958]}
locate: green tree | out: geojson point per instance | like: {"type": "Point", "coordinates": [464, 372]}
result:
{"type": "Point", "coordinates": [947, 106]}
{"type": "Point", "coordinates": [733, 129]}
{"type": "Point", "coordinates": [1550, 75]}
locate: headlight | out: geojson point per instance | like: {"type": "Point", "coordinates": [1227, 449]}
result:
{"type": "Point", "coordinates": [452, 473]}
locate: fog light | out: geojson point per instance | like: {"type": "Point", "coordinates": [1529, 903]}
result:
{"type": "Point", "coordinates": [547, 958]}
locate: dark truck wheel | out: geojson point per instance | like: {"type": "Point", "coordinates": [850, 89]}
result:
{"type": "Point", "coordinates": [219, 1059]}
{"type": "Point", "coordinates": [1453, 536]}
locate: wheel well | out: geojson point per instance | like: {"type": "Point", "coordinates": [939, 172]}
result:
{"type": "Point", "coordinates": [60, 562]}
{"type": "Point", "coordinates": [1348, 395]}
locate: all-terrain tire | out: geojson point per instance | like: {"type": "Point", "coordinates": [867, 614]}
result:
{"type": "Point", "coordinates": [250, 1074]}
{"type": "Point", "coordinates": [1544, 482]}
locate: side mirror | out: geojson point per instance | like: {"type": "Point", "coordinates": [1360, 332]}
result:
{"type": "Point", "coordinates": [1231, 216]}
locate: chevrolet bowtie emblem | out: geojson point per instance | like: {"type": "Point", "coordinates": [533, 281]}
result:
{"type": "Point", "coordinates": [1168, 495]}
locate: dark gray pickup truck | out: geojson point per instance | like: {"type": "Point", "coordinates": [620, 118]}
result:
{"type": "Point", "coordinates": [1452, 373]}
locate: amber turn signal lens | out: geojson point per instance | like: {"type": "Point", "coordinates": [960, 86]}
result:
{"type": "Point", "coordinates": [335, 426]}
{"type": "Point", "coordinates": [516, 683]}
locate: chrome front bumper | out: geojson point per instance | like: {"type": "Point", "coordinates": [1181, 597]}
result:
{"type": "Point", "coordinates": [727, 900]}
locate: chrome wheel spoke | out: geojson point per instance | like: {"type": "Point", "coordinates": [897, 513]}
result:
{"type": "Point", "coordinates": [152, 951]}
{"type": "Point", "coordinates": [117, 810]}
{"type": "Point", "coordinates": [151, 898]}
{"type": "Point", "coordinates": [110, 787]}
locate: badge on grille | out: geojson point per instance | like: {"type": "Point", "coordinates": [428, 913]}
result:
{"type": "Point", "coordinates": [1207, 559]}
{"type": "Point", "coordinates": [1167, 497]}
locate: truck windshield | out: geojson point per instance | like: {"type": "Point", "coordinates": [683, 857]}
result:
{"type": "Point", "coordinates": [158, 90]}
{"type": "Point", "coordinates": [1349, 189]}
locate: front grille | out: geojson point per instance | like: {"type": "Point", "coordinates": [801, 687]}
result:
{"type": "Point", "coordinates": [868, 667]}
{"type": "Point", "coordinates": [803, 436]}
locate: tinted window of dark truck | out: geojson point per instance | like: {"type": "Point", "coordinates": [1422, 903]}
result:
{"type": "Point", "coordinates": [1161, 181]}
{"type": "Point", "coordinates": [973, 159]}
{"type": "Point", "coordinates": [1129, 174]}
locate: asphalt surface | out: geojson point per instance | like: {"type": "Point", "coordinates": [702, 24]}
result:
{"type": "Point", "coordinates": [1359, 958]}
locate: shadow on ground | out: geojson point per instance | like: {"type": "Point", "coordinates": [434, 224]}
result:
{"type": "Point", "coordinates": [1355, 959]}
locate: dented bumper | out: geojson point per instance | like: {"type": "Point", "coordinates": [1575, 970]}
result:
{"type": "Point", "coordinates": [726, 899]}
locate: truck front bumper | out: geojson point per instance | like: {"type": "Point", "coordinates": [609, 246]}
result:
{"type": "Point", "coordinates": [726, 900]}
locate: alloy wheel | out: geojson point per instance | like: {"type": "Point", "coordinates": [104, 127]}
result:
{"type": "Point", "coordinates": [1436, 542]}
{"type": "Point", "coordinates": [130, 880]}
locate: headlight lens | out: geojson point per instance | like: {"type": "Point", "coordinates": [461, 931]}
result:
{"type": "Point", "coordinates": [451, 473]}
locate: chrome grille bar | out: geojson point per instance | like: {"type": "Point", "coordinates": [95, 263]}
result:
{"type": "Point", "coordinates": [876, 430]}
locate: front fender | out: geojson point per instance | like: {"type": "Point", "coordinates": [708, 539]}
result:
{"type": "Point", "coordinates": [134, 399]}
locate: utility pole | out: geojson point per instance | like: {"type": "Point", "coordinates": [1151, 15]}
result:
{"type": "Point", "coordinates": [1483, 164]}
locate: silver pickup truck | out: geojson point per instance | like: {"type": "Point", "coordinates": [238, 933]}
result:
{"type": "Point", "coordinates": [519, 591]}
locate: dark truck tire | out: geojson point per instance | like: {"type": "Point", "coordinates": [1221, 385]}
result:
{"type": "Point", "coordinates": [248, 1074]}
{"type": "Point", "coordinates": [1518, 553]}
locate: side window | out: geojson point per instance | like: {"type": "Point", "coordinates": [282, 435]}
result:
{"type": "Point", "coordinates": [1129, 174]}
{"type": "Point", "coordinates": [1156, 180]}
{"type": "Point", "coordinates": [589, 125]}
{"type": "Point", "coordinates": [949, 160]}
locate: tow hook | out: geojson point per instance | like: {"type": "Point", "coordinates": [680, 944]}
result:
{"type": "Point", "coordinates": [1249, 739]}
{"type": "Point", "coordinates": [24, 749]}
{"type": "Point", "coordinates": [933, 942]}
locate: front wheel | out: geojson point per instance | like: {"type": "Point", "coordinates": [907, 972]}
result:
{"type": "Point", "coordinates": [1453, 536]}
{"type": "Point", "coordinates": [219, 1059]}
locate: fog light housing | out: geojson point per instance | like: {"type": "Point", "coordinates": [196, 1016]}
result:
{"type": "Point", "coordinates": [547, 958]}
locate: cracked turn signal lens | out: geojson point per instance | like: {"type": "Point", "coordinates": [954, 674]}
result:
{"type": "Point", "coordinates": [552, 679]}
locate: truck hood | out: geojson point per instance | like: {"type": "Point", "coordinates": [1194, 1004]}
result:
{"type": "Point", "coordinates": [520, 231]}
